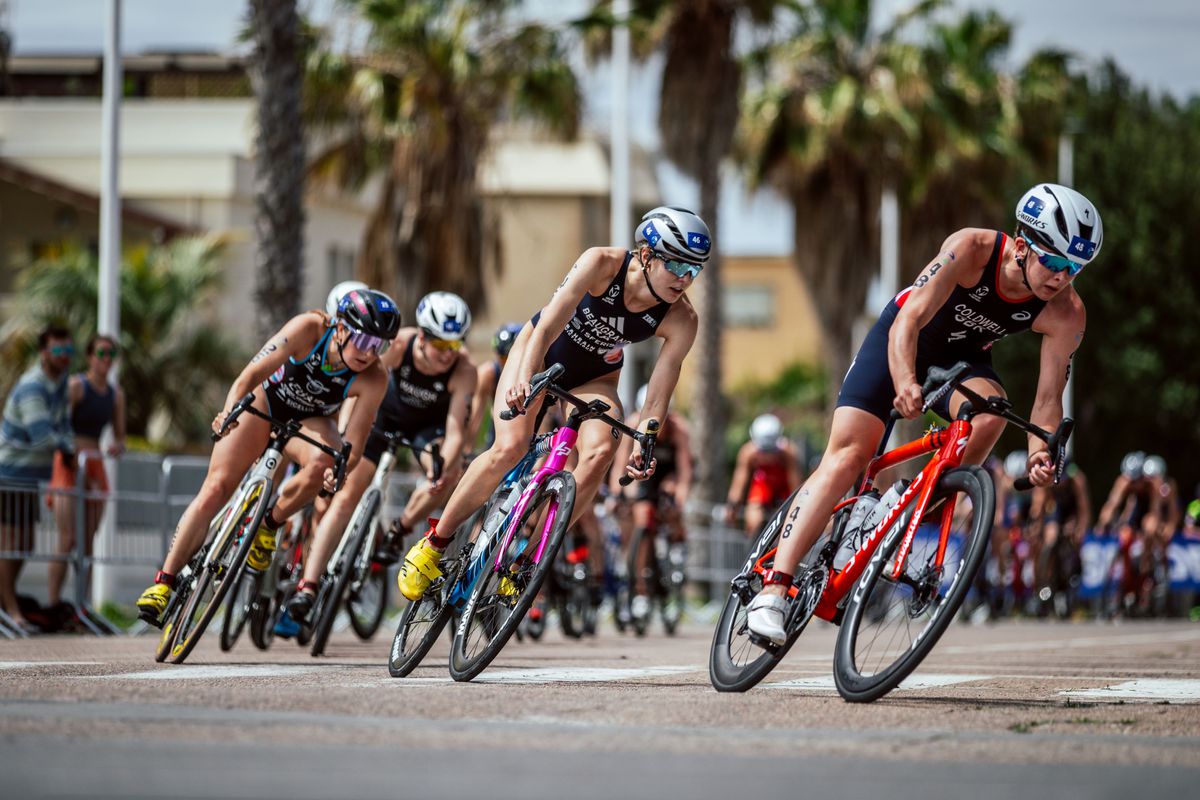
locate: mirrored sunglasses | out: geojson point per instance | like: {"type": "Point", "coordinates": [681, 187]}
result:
{"type": "Point", "coordinates": [62, 350]}
{"type": "Point", "coordinates": [1056, 263]}
{"type": "Point", "coordinates": [681, 269]}
{"type": "Point", "coordinates": [445, 345]}
{"type": "Point", "coordinates": [370, 344]}
{"type": "Point", "coordinates": [105, 352]}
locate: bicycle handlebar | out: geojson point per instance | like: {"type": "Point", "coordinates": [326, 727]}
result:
{"type": "Point", "coordinates": [941, 382]}
{"type": "Point", "coordinates": [647, 441]}
{"type": "Point", "coordinates": [290, 430]}
{"type": "Point", "coordinates": [537, 384]}
{"type": "Point", "coordinates": [433, 450]}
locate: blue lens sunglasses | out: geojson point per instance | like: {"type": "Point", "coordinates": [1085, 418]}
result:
{"type": "Point", "coordinates": [681, 269]}
{"type": "Point", "coordinates": [1056, 263]}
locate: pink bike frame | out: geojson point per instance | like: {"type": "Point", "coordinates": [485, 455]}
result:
{"type": "Point", "coordinates": [561, 446]}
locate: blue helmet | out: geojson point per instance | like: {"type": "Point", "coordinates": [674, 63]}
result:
{"type": "Point", "coordinates": [506, 334]}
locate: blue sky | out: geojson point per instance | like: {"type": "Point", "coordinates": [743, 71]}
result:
{"type": "Point", "coordinates": [1156, 42]}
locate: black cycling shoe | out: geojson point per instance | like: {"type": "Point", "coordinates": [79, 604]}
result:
{"type": "Point", "coordinates": [388, 552]}
{"type": "Point", "coordinates": [299, 606]}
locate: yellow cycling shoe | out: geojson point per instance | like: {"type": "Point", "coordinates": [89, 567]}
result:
{"type": "Point", "coordinates": [153, 602]}
{"type": "Point", "coordinates": [259, 557]}
{"type": "Point", "coordinates": [419, 569]}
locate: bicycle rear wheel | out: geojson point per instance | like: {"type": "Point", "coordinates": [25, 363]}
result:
{"type": "Point", "coordinates": [215, 580]}
{"type": "Point", "coordinates": [890, 625]}
{"type": "Point", "coordinates": [503, 596]}
{"type": "Point", "coordinates": [333, 586]}
{"type": "Point", "coordinates": [672, 579]}
{"type": "Point", "coordinates": [737, 662]}
{"type": "Point", "coordinates": [424, 618]}
{"type": "Point", "coordinates": [239, 607]}
{"type": "Point", "coordinates": [367, 599]}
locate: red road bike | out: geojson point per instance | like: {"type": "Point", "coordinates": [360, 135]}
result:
{"type": "Point", "coordinates": [898, 592]}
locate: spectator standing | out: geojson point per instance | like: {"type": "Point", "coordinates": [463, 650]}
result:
{"type": "Point", "coordinates": [35, 425]}
{"type": "Point", "coordinates": [94, 403]}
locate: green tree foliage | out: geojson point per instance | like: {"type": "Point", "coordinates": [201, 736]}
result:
{"type": "Point", "coordinates": [1137, 378]}
{"type": "Point", "coordinates": [417, 109]}
{"type": "Point", "coordinates": [175, 365]}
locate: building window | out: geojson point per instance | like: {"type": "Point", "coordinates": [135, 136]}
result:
{"type": "Point", "coordinates": [340, 262]}
{"type": "Point", "coordinates": [749, 306]}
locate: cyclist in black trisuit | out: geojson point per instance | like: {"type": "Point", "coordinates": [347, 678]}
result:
{"type": "Point", "coordinates": [430, 382]}
{"type": "Point", "coordinates": [610, 298]}
{"type": "Point", "coordinates": [304, 372]}
{"type": "Point", "coordinates": [982, 286]}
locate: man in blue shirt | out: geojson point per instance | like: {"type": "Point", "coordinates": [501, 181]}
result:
{"type": "Point", "coordinates": [36, 424]}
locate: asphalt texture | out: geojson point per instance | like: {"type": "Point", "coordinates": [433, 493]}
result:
{"type": "Point", "coordinates": [1087, 710]}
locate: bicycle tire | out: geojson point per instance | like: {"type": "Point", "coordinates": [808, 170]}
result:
{"type": "Point", "coordinates": [252, 509]}
{"type": "Point", "coordinates": [166, 639]}
{"type": "Point", "coordinates": [670, 610]}
{"type": "Point", "coordinates": [636, 542]}
{"type": "Point", "coordinates": [726, 671]}
{"type": "Point", "coordinates": [854, 651]}
{"type": "Point", "coordinates": [331, 593]}
{"type": "Point", "coordinates": [261, 627]}
{"type": "Point", "coordinates": [238, 608]}
{"type": "Point", "coordinates": [463, 667]}
{"type": "Point", "coordinates": [366, 604]}
{"type": "Point", "coordinates": [574, 600]}
{"type": "Point", "coordinates": [430, 610]}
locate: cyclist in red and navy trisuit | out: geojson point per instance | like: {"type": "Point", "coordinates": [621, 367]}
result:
{"type": "Point", "coordinates": [983, 285]}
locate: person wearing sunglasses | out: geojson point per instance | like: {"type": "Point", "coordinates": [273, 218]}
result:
{"type": "Point", "coordinates": [36, 425]}
{"type": "Point", "coordinates": [431, 379]}
{"type": "Point", "coordinates": [984, 285]}
{"type": "Point", "coordinates": [305, 373]}
{"type": "Point", "coordinates": [610, 298]}
{"type": "Point", "coordinates": [95, 404]}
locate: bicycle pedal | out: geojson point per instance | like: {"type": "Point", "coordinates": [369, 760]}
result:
{"type": "Point", "coordinates": [763, 642]}
{"type": "Point", "coordinates": [150, 619]}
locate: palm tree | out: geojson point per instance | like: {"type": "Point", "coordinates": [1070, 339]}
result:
{"type": "Point", "coordinates": [417, 109]}
{"type": "Point", "coordinates": [697, 118]}
{"type": "Point", "coordinates": [176, 366]}
{"type": "Point", "coordinates": [276, 74]}
{"type": "Point", "coordinates": [833, 118]}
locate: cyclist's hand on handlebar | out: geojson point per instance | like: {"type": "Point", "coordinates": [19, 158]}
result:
{"type": "Point", "coordinates": [330, 481]}
{"type": "Point", "coordinates": [634, 468]}
{"type": "Point", "coordinates": [518, 394]}
{"type": "Point", "coordinates": [219, 420]}
{"type": "Point", "coordinates": [909, 401]}
{"type": "Point", "coordinates": [1041, 468]}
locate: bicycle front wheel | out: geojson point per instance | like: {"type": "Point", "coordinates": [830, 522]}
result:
{"type": "Point", "coordinates": [502, 596]}
{"type": "Point", "coordinates": [424, 618]}
{"type": "Point", "coordinates": [215, 579]}
{"type": "Point", "coordinates": [333, 586]}
{"type": "Point", "coordinates": [891, 624]}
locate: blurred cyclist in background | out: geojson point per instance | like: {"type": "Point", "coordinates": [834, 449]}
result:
{"type": "Point", "coordinates": [765, 474]}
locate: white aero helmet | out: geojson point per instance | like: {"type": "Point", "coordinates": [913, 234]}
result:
{"type": "Point", "coordinates": [1061, 220]}
{"type": "Point", "coordinates": [675, 234]}
{"type": "Point", "coordinates": [444, 315]}
{"type": "Point", "coordinates": [338, 292]}
{"type": "Point", "coordinates": [766, 431]}
{"type": "Point", "coordinates": [1015, 463]}
{"type": "Point", "coordinates": [1154, 467]}
{"type": "Point", "coordinates": [1132, 464]}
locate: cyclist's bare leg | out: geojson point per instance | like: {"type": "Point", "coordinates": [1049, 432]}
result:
{"type": "Point", "coordinates": [596, 445]}
{"type": "Point", "coordinates": [753, 517]}
{"type": "Point", "coordinates": [985, 428]}
{"type": "Point", "coordinates": [337, 516]}
{"type": "Point", "coordinates": [300, 489]}
{"type": "Point", "coordinates": [644, 516]}
{"type": "Point", "coordinates": [231, 457]}
{"type": "Point", "coordinates": [424, 500]}
{"type": "Point", "coordinates": [852, 441]}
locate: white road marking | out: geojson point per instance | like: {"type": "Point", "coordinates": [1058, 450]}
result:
{"type": "Point", "coordinates": [1144, 689]}
{"type": "Point", "coordinates": [912, 682]}
{"type": "Point", "coordinates": [31, 664]}
{"type": "Point", "coordinates": [205, 672]}
{"type": "Point", "coordinates": [578, 674]}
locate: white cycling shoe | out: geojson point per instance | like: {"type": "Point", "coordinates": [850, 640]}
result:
{"type": "Point", "coordinates": [765, 617]}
